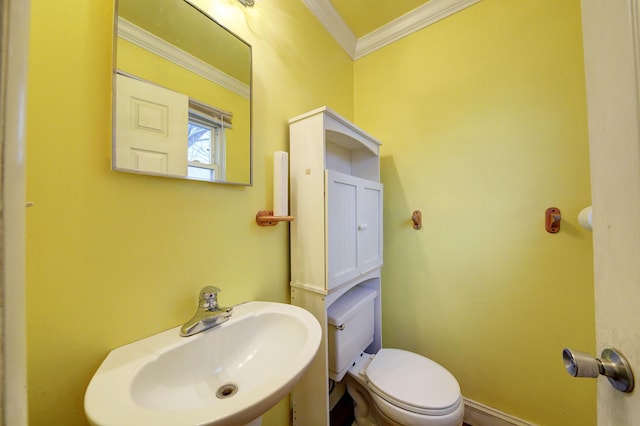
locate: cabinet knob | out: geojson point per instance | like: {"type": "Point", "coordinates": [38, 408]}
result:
{"type": "Point", "coordinates": [362, 227]}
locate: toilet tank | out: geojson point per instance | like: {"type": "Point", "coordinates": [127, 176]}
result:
{"type": "Point", "coordinates": [351, 328]}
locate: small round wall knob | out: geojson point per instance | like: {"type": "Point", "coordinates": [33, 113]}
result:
{"type": "Point", "coordinates": [362, 227]}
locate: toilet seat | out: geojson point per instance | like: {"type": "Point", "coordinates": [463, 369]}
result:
{"type": "Point", "coordinates": [413, 382]}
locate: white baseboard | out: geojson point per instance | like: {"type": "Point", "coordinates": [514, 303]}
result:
{"type": "Point", "coordinates": [477, 414]}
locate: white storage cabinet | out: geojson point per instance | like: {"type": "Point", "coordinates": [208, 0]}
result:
{"type": "Point", "coordinates": [336, 238]}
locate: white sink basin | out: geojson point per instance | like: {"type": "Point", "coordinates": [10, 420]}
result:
{"type": "Point", "coordinates": [228, 375]}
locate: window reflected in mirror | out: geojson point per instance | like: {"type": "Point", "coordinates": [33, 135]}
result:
{"type": "Point", "coordinates": [205, 150]}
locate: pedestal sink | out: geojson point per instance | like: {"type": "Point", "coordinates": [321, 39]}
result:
{"type": "Point", "coordinates": [228, 375]}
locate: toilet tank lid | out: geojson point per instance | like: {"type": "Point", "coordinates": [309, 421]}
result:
{"type": "Point", "coordinates": [349, 304]}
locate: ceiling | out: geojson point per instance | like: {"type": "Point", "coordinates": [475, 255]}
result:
{"type": "Point", "coordinates": [382, 23]}
{"type": "Point", "coordinates": [378, 12]}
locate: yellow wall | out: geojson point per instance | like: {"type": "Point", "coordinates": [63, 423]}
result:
{"type": "Point", "coordinates": [113, 257]}
{"type": "Point", "coordinates": [483, 119]}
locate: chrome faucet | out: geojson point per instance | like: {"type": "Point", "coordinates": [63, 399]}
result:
{"type": "Point", "coordinates": [208, 314]}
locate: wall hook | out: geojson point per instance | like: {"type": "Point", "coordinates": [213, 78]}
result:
{"type": "Point", "coordinates": [552, 218]}
{"type": "Point", "coordinates": [416, 218]}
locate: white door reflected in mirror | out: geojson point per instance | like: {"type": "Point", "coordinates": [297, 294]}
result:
{"type": "Point", "coordinates": [151, 128]}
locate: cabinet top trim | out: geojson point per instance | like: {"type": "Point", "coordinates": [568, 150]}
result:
{"type": "Point", "coordinates": [337, 117]}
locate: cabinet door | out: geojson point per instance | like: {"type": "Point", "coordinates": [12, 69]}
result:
{"type": "Point", "coordinates": [354, 224]}
{"type": "Point", "coordinates": [369, 225]}
{"type": "Point", "coordinates": [341, 196]}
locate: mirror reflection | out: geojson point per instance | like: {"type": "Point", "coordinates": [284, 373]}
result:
{"type": "Point", "coordinates": [182, 104]}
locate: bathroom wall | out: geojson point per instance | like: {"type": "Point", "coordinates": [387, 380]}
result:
{"type": "Point", "coordinates": [483, 118]}
{"type": "Point", "coordinates": [114, 257]}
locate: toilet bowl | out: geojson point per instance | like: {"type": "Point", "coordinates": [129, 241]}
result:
{"type": "Point", "coordinates": [392, 387]}
{"type": "Point", "coordinates": [401, 388]}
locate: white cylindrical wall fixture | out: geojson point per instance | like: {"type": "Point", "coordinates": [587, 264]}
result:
{"type": "Point", "coordinates": [585, 218]}
{"type": "Point", "coordinates": [280, 183]}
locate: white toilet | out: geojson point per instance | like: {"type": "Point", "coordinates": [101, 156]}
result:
{"type": "Point", "coordinates": [392, 387]}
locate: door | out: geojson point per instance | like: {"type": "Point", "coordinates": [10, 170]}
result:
{"type": "Point", "coordinates": [610, 29]}
{"type": "Point", "coordinates": [151, 128]}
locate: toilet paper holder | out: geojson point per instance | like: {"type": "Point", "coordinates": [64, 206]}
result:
{"type": "Point", "coordinates": [611, 364]}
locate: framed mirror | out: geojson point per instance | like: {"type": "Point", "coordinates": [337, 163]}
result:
{"type": "Point", "coordinates": [182, 94]}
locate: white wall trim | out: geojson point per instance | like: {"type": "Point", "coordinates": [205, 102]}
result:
{"type": "Point", "coordinates": [635, 29]}
{"type": "Point", "coordinates": [425, 15]}
{"type": "Point", "coordinates": [419, 18]}
{"type": "Point", "coordinates": [477, 414]}
{"type": "Point", "coordinates": [333, 22]}
{"type": "Point", "coordinates": [14, 67]}
{"type": "Point", "coordinates": [148, 41]}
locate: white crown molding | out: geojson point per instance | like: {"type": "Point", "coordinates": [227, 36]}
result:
{"type": "Point", "coordinates": [425, 15]}
{"type": "Point", "coordinates": [419, 18]}
{"type": "Point", "coordinates": [148, 41]}
{"type": "Point", "coordinates": [333, 22]}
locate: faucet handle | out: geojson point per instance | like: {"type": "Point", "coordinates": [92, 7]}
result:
{"type": "Point", "coordinates": [210, 289]}
{"type": "Point", "coordinates": [209, 295]}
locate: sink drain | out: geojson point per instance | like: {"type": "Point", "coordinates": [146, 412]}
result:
{"type": "Point", "coordinates": [227, 391]}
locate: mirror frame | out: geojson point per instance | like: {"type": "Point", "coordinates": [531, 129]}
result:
{"type": "Point", "coordinates": [114, 104]}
